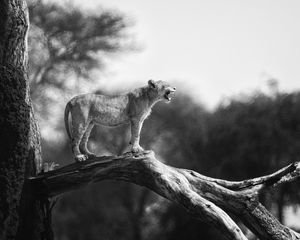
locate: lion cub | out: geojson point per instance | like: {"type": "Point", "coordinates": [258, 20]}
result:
{"type": "Point", "coordinates": [133, 107]}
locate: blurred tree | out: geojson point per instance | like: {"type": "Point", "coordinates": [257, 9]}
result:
{"type": "Point", "coordinates": [177, 224]}
{"type": "Point", "coordinates": [64, 40]}
{"type": "Point", "coordinates": [66, 45]}
{"type": "Point", "coordinates": [254, 136]}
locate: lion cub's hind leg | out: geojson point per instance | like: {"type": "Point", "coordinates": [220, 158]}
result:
{"type": "Point", "coordinates": [79, 127]}
{"type": "Point", "coordinates": [83, 144]}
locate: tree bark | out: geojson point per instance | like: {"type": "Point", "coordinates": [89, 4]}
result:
{"type": "Point", "coordinates": [205, 198]}
{"type": "Point", "coordinates": [20, 139]}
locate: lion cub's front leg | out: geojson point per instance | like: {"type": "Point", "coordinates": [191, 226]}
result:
{"type": "Point", "coordinates": [136, 126]}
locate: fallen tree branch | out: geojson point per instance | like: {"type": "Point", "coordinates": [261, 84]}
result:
{"type": "Point", "coordinates": [205, 198]}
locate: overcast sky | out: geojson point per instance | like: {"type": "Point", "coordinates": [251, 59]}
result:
{"type": "Point", "coordinates": [213, 48]}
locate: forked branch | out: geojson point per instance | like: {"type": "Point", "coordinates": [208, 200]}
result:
{"type": "Point", "coordinates": [205, 198]}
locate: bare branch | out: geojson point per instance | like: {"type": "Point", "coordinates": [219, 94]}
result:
{"type": "Point", "coordinates": [286, 174]}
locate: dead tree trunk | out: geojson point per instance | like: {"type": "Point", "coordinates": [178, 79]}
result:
{"type": "Point", "coordinates": [20, 213]}
{"type": "Point", "coordinates": [207, 199]}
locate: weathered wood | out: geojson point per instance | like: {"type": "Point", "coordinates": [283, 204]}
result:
{"type": "Point", "coordinates": [205, 198]}
{"type": "Point", "coordinates": [14, 24]}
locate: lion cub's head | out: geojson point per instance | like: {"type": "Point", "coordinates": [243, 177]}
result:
{"type": "Point", "coordinates": [160, 90]}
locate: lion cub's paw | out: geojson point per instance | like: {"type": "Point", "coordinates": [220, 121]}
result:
{"type": "Point", "coordinates": [81, 158]}
{"type": "Point", "coordinates": [137, 149]}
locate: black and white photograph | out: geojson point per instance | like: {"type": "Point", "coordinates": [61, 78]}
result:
{"type": "Point", "coordinates": [149, 120]}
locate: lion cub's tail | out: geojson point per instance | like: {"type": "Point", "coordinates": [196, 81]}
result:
{"type": "Point", "coordinates": [67, 111]}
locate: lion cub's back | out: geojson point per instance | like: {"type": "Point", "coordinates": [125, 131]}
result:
{"type": "Point", "coordinates": [109, 110]}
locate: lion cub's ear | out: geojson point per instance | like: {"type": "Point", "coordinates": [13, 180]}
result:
{"type": "Point", "coordinates": [151, 83]}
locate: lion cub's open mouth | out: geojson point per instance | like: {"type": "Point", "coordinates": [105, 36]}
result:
{"type": "Point", "coordinates": [168, 93]}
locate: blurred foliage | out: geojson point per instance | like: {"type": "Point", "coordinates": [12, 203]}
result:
{"type": "Point", "coordinates": [65, 40]}
{"type": "Point", "coordinates": [263, 132]}
{"type": "Point", "coordinates": [243, 138]}
{"type": "Point", "coordinates": [254, 136]}
{"type": "Point", "coordinates": [66, 46]}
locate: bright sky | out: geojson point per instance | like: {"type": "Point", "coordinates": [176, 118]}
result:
{"type": "Point", "coordinates": [212, 48]}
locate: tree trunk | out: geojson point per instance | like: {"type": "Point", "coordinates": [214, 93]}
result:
{"type": "Point", "coordinates": [20, 214]}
